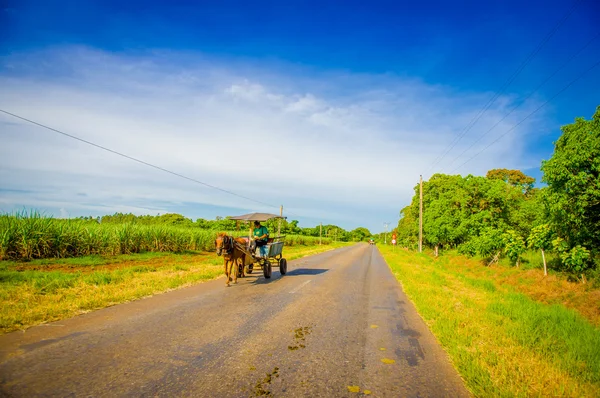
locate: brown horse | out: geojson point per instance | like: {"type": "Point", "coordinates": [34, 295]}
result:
{"type": "Point", "coordinates": [228, 246]}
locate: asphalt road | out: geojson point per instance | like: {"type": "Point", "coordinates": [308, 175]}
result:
{"type": "Point", "coordinates": [331, 323]}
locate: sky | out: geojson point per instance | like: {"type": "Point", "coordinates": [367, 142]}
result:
{"type": "Point", "coordinates": [331, 109]}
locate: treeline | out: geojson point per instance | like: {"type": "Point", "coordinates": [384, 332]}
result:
{"type": "Point", "coordinates": [503, 214]}
{"type": "Point", "coordinates": [332, 232]}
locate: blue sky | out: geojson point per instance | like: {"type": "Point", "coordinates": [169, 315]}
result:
{"type": "Point", "coordinates": [331, 108]}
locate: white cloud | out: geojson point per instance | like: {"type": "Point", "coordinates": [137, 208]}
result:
{"type": "Point", "coordinates": [344, 148]}
{"type": "Point", "coordinates": [306, 104]}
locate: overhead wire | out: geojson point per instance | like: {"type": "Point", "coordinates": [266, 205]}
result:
{"type": "Point", "coordinates": [531, 114]}
{"type": "Point", "coordinates": [140, 161]}
{"type": "Point", "coordinates": [508, 82]}
{"type": "Point", "coordinates": [527, 97]}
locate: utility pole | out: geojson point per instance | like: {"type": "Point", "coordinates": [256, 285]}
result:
{"type": "Point", "coordinates": [421, 214]}
{"type": "Point", "coordinates": [320, 232]}
{"type": "Point", "coordinates": [280, 215]}
{"type": "Point", "coordinates": [385, 224]}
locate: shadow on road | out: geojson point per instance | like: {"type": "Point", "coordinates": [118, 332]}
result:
{"type": "Point", "coordinates": [306, 271]}
{"type": "Point", "coordinates": [256, 278]}
{"type": "Point", "coordinates": [262, 281]}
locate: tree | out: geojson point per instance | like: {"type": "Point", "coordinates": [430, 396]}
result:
{"type": "Point", "coordinates": [443, 203]}
{"type": "Point", "coordinates": [514, 246]}
{"type": "Point", "coordinates": [572, 175]}
{"type": "Point", "coordinates": [458, 209]}
{"type": "Point", "coordinates": [574, 259]}
{"type": "Point", "coordinates": [203, 224]}
{"type": "Point", "coordinates": [541, 238]}
{"type": "Point", "coordinates": [292, 227]}
{"type": "Point", "coordinates": [515, 178]}
{"type": "Point", "coordinates": [528, 212]}
{"type": "Point", "coordinates": [333, 232]}
{"type": "Point", "coordinates": [224, 224]}
{"type": "Point", "coordinates": [360, 234]}
{"type": "Point", "coordinates": [488, 204]}
{"type": "Point", "coordinates": [489, 243]}
{"type": "Point", "coordinates": [174, 219]}
{"type": "Point", "coordinates": [119, 218]}
{"type": "Point", "coordinates": [408, 228]}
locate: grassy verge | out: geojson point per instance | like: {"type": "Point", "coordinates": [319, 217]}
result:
{"type": "Point", "coordinates": [46, 290]}
{"type": "Point", "coordinates": [503, 342]}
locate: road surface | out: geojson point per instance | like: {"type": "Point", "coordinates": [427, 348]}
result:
{"type": "Point", "coordinates": [338, 322]}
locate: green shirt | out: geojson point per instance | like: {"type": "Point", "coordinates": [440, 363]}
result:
{"type": "Point", "coordinates": [260, 231]}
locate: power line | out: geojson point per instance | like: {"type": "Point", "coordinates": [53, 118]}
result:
{"type": "Point", "coordinates": [527, 97]}
{"type": "Point", "coordinates": [505, 85]}
{"type": "Point", "coordinates": [527, 117]}
{"type": "Point", "coordinates": [137, 160]}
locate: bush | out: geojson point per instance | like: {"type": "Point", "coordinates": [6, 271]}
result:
{"type": "Point", "coordinates": [577, 259]}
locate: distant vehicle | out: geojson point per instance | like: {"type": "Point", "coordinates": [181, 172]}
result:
{"type": "Point", "coordinates": [371, 242]}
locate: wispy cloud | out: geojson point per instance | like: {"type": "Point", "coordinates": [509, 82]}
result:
{"type": "Point", "coordinates": [341, 147]}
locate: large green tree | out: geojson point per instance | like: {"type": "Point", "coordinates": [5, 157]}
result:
{"type": "Point", "coordinates": [407, 229]}
{"type": "Point", "coordinates": [458, 209]}
{"type": "Point", "coordinates": [444, 200]}
{"type": "Point", "coordinates": [572, 175]}
{"type": "Point", "coordinates": [515, 178]}
{"type": "Point", "coordinates": [360, 234]}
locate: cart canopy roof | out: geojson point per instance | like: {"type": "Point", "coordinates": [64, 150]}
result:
{"type": "Point", "coordinates": [255, 217]}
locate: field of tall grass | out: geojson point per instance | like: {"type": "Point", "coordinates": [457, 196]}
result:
{"type": "Point", "coordinates": [504, 338]}
{"type": "Point", "coordinates": [28, 236]}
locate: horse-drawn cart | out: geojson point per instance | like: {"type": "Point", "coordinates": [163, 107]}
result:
{"type": "Point", "coordinates": [272, 255]}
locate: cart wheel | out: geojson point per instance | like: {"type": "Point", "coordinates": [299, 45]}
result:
{"type": "Point", "coordinates": [283, 266]}
{"type": "Point", "coordinates": [250, 268]}
{"type": "Point", "coordinates": [267, 270]}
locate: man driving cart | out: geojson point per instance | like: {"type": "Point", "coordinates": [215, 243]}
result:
{"type": "Point", "coordinates": [260, 236]}
{"type": "Point", "coordinates": [270, 249]}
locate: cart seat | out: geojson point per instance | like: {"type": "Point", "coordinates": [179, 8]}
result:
{"type": "Point", "coordinates": [271, 250]}
{"type": "Point", "coordinates": [274, 249]}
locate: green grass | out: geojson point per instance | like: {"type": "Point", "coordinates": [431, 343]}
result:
{"type": "Point", "coordinates": [502, 342]}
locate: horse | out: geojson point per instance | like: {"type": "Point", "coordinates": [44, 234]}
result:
{"type": "Point", "coordinates": [226, 245]}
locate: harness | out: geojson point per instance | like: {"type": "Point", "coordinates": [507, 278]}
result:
{"type": "Point", "coordinates": [228, 244]}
